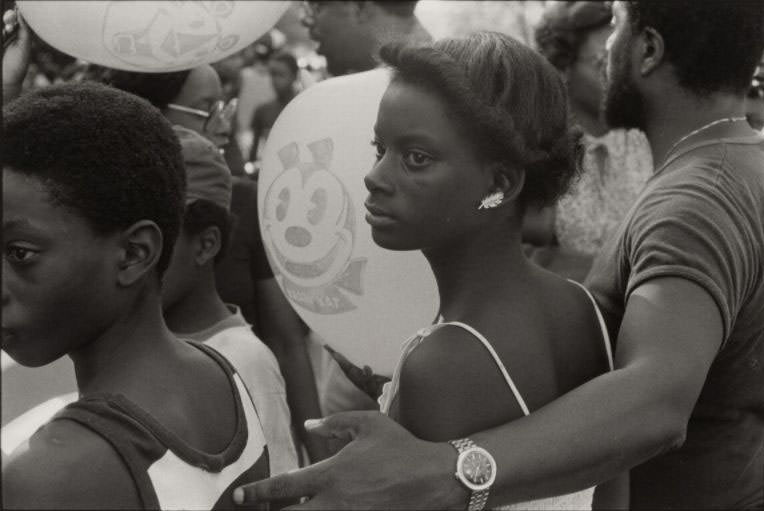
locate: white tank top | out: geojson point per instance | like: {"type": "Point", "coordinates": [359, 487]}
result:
{"type": "Point", "coordinates": [578, 500]}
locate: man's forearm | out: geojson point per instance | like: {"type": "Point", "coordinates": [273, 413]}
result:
{"type": "Point", "coordinates": [596, 431]}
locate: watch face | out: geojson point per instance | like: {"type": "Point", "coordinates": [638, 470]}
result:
{"type": "Point", "coordinates": [478, 468]}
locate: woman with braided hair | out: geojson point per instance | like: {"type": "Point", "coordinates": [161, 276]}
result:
{"type": "Point", "coordinates": [469, 133]}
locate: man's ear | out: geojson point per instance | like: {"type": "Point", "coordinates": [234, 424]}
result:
{"type": "Point", "coordinates": [508, 180]}
{"type": "Point", "coordinates": [651, 51]}
{"type": "Point", "coordinates": [207, 245]}
{"type": "Point", "coordinates": [141, 248]}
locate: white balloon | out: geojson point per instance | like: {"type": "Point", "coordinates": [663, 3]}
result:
{"type": "Point", "coordinates": [150, 36]}
{"type": "Point", "coordinates": [364, 301]}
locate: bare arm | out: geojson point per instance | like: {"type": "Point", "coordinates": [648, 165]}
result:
{"type": "Point", "coordinates": [587, 435]}
{"type": "Point", "coordinates": [284, 332]}
{"type": "Point", "coordinates": [451, 387]}
{"type": "Point", "coordinates": [671, 332]}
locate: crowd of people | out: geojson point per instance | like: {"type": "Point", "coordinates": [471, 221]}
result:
{"type": "Point", "coordinates": [591, 207]}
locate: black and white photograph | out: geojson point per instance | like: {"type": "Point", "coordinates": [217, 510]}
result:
{"type": "Point", "coordinates": [382, 255]}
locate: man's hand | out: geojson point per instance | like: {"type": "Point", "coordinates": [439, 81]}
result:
{"type": "Point", "coordinates": [17, 44]}
{"type": "Point", "coordinates": [374, 471]}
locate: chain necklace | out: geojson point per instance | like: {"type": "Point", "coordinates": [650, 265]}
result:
{"type": "Point", "coordinates": [703, 128]}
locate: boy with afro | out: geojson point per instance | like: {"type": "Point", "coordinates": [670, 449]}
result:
{"type": "Point", "coordinates": [93, 197]}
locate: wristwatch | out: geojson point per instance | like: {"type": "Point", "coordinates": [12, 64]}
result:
{"type": "Point", "coordinates": [476, 470]}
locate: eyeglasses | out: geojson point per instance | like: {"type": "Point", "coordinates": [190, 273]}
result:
{"type": "Point", "coordinates": [217, 119]}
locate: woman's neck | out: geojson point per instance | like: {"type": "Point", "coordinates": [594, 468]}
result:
{"type": "Point", "coordinates": [479, 270]}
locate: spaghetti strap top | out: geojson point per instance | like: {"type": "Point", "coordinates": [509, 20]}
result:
{"type": "Point", "coordinates": [390, 389]}
{"type": "Point", "coordinates": [577, 500]}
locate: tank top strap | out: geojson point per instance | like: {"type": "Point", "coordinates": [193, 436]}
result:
{"type": "Point", "coordinates": [496, 359]}
{"type": "Point", "coordinates": [603, 326]}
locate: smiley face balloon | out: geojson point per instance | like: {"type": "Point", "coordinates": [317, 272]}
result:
{"type": "Point", "coordinates": [150, 36]}
{"type": "Point", "coordinates": [363, 300]}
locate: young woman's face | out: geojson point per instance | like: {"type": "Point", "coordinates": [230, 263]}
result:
{"type": "Point", "coordinates": [58, 275]}
{"type": "Point", "coordinates": [427, 183]}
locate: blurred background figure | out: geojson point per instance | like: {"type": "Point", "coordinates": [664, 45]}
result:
{"type": "Point", "coordinates": [617, 163]}
{"type": "Point", "coordinates": [349, 34]}
{"type": "Point", "coordinates": [754, 102]}
{"type": "Point", "coordinates": [193, 99]}
{"type": "Point", "coordinates": [193, 308]}
{"type": "Point", "coordinates": [283, 71]}
{"type": "Point", "coordinates": [254, 87]}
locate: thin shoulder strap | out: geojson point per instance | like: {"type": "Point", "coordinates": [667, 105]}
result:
{"type": "Point", "coordinates": [496, 359]}
{"type": "Point", "coordinates": [603, 326]}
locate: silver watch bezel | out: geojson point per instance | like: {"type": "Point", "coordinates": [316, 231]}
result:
{"type": "Point", "coordinates": [460, 470]}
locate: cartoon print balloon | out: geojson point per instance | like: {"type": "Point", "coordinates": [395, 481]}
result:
{"type": "Point", "coordinates": [364, 301]}
{"type": "Point", "coordinates": [150, 36]}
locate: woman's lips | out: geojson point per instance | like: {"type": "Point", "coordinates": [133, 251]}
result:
{"type": "Point", "coordinates": [376, 216]}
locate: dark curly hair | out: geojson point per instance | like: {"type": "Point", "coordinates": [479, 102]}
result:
{"type": "Point", "coordinates": [158, 88]}
{"type": "Point", "coordinates": [714, 45]}
{"type": "Point", "coordinates": [106, 155]}
{"type": "Point", "coordinates": [509, 102]}
{"type": "Point", "coordinates": [201, 214]}
{"type": "Point", "coordinates": [564, 26]}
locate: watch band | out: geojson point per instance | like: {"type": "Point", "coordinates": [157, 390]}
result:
{"type": "Point", "coordinates": [478, 499]}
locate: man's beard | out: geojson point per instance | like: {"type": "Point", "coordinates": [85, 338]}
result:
{"type": "Point", "coordinates": [623, 105]}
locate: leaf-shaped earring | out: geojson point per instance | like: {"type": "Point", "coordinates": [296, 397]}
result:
{"type": "Point", "coordinates": [491, 201]}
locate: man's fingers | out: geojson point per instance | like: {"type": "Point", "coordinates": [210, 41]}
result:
{"type": "Point", "coordinates": [344, 425]}
{"type": "Point", "coordinates": [291, 485]}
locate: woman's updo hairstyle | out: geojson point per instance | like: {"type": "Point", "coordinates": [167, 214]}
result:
{"type": "Point", "coordinates": [508, 101]}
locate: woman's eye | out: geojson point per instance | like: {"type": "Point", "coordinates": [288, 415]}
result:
{"type": "Point", "coordinates": [417, 159]}
{"type": "Point", "coordinates": [18, 255]}
{"type": "Point", "coordinates": [380, 149]}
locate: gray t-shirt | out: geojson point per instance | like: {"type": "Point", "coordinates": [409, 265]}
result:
{"type": "Point", "coordinates": [701, 217]}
